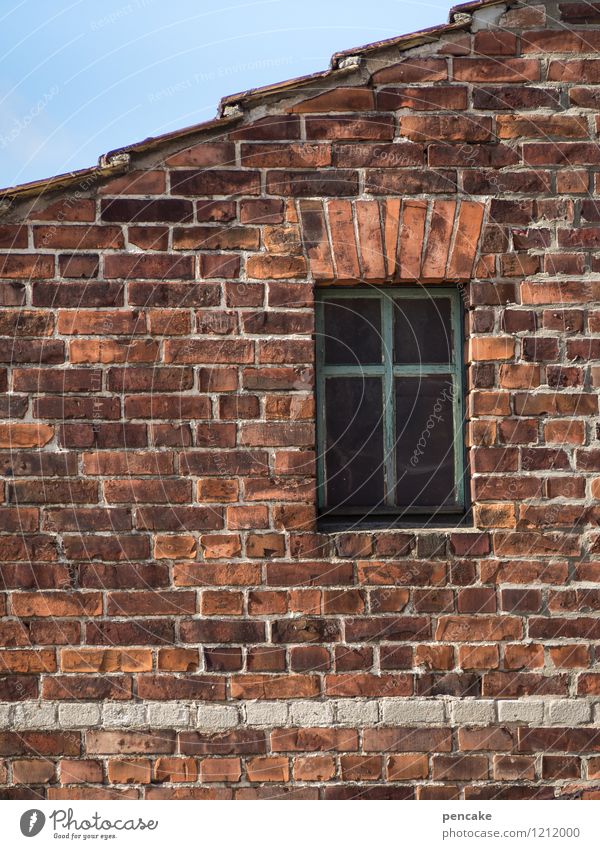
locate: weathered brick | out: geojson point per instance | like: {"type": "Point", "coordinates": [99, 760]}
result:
{"type": "Point", "coordinates": [161, 543]}
{"type": "Point", "coordinates": [445, 128]}
{"type": "Point", "coordinates": [489, 70]}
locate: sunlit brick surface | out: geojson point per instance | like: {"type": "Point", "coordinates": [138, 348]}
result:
{"type": "Point", "coordinates": [174, 623]}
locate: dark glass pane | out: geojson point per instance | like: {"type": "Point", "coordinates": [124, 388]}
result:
{"type": "Point", "coordinates": [424, 441]}
{"type": "Point", "coordinates": [352, 329]}
{"type": "Point", "coordinates": [422, 330]}
{"type": "Point", "coordinates": [354, 441]}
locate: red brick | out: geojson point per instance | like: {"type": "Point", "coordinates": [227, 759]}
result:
{"type": "Point", "coordinates": [218, 603]}
{"type": "Point", "coordinates": [267, 659]}
{"type": "Point", "coordinates": [430, 657]}
{"type": "Point", "coordinates": [445, 128]}
{"type": "Point", "coordinates": [412, 71]}
{"type": "Point", "coordinates": [422, 98]}
{"type": "Point", "coordinates": [310, 659]}
{"type": "Point", "coordinates": [32, 771]}
{"type": "Point", "coordinates": [314, 740]}
{"type": "Point", "coordinates": [478, 657]}
{"type": "Point", "coordinates": [80, 772]}
{"type": "Point", "coordinates": [134, 210]}
{"type": "Point", "coordinates": [130, 771]}
{"type": "Point", "coordinates": [174, 770]}
{"type": "Point", "coordinates": [513, 767]}
{"type": "Point", "coordinates": [150, 266]}
{"type": "Point", "coordinates": [271, 127]}
{"type": "Point", "coordinates": [516, 684]}
{"type": "Point", "coordinates": [398, 739]}
{"type": "Point", "coordinates": [153, 238]}
{"type": "Point", "coordinates": [317, 768]}
{"type": "Point", "coordinates": [523, 126]}
{"type": "Point", "coordinates": [459, 767]}
{"type": "Point", "coordinates": [218, 265]}
{"type": "Point", "coordinates": [316, 239]}
{"type": "Point", "coordinates": [348, 659]}
{"type": "Point", "coordinates": [13, 236]}
{"type": "Point", "coordinates": [379, 127]}
{"type": "Point", "coordinates": [64, 210]}
{"type": "Point", "coordinates": [498, 71]}
{"type": "Point", "coordinates": [220, 769]}
{"type": "Point", "coordinates": [280, 267]}
{"type": "Point", "coordinates": [360, 767]}
{"type": "Point", "coordinates": [57, 604]}
{"type": "Point", "coordinates": [25, 266]}
{"type": "Point", "coordinates": [178, 660]}
{"type": "Point", "coordinates": [215, 238]}
{"type": "Point", "coordinates": [365, 684]}
{"type": "Point", "coordinates": [342, 234]}
{"type": "Point", "coordinates": [494, 43]}
{"type": "Point", "coordinates": [87, 687]}
{"type": "Point", "coordinates": [215, 182]}
{"type": "Point", "coordinates": [261, 211]}
{"type": "Point", "coordinates": [329, 183]}
{"type": "Point", "coordinates": [477, 629]}
{"type": "Point", "coordinates": [268, 769]}
{"type": "Point", "coordinates": [105, 660]}
{"type": "Point", "coordinates": [298, 155]}
{"type": "Point", "coordinates": [411, 236]}
{"type": "Point", "coordinates": [25, 435]}
{"type": "Point", "coordinates": [155, 602]}
{"type": "Point", "coordinates": [383, 155]}
{"type": "Point", "coordinates": [204, 155]}
{"type": "Point", "coordinates": [274, 686]}
{"type": "Point", "coordinates": [171, 687]}
{"type": "Point", "coordinates": [407, 767]}
{"type": "Point", "coordinates": [560, 767]}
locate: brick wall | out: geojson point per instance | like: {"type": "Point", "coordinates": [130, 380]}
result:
{"type": "Point", "coordinates": [174, 625]}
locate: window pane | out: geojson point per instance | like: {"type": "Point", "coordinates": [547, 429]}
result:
{"type": "Point", "coordinates": [422, 330]}
{"type": "Point", "coordinates": [424, 441]}
{"type": "Point", "coordinates": [354, 443]}
{"type": "Point", "coordinates": [353, 331]}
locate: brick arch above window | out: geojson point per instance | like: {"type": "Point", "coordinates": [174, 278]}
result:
{"type": "Point", "coordinates": [392, 240]}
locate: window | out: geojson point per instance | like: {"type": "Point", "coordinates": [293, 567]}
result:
{"type": "Point", "coordinates": [390, 404]}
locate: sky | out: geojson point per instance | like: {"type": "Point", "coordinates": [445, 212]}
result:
{"type": "Point", "coordinates": [81, 77]}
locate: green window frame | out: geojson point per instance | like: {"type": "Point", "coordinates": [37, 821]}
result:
{"type": "Point", "coordinates": [388, 371]}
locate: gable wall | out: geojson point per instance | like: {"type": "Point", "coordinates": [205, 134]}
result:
{"type": "Point", "coordinates": [175, 626]}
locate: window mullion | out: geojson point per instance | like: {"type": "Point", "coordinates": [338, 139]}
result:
{"type": "Point", "coordinates": [457, 399]}
{"type": "Point", "coordinates": [389, 425]}
{"type": "Point", "coordinates": [353, 371]}
{"type": "Point", "coordinates": [422, 369]}
{"type": "Point", "coordinates": [320, 411]}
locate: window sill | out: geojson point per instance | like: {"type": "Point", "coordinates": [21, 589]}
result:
{"type": "Point", "coordinates": [336, 524]}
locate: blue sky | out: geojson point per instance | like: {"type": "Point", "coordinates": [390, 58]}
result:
{"type": "Point", "coordinates": [79, 77]}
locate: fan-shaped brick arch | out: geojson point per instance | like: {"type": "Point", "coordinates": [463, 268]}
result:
{"type": "Point", "coordinates": [391, 240]}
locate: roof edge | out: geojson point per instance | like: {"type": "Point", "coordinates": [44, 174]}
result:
{"type": "Point", "coordinates": [113, 163]}
{"type": "Point", "coordinates": [243, 98]}
{"type": "Point", "coordinates": [156, 141]}
{"type": "Point", "coordinates": [404, 42]}
{"type": "Point", "coordinates": [472, 6]}
{"type": "Point", "coordinates": [231, 107]}
{"type": "Point", "coordinates": [66, 180]}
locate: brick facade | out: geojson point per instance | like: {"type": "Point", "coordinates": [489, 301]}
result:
{"type": "Point", "coordinates": [174, 623]}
